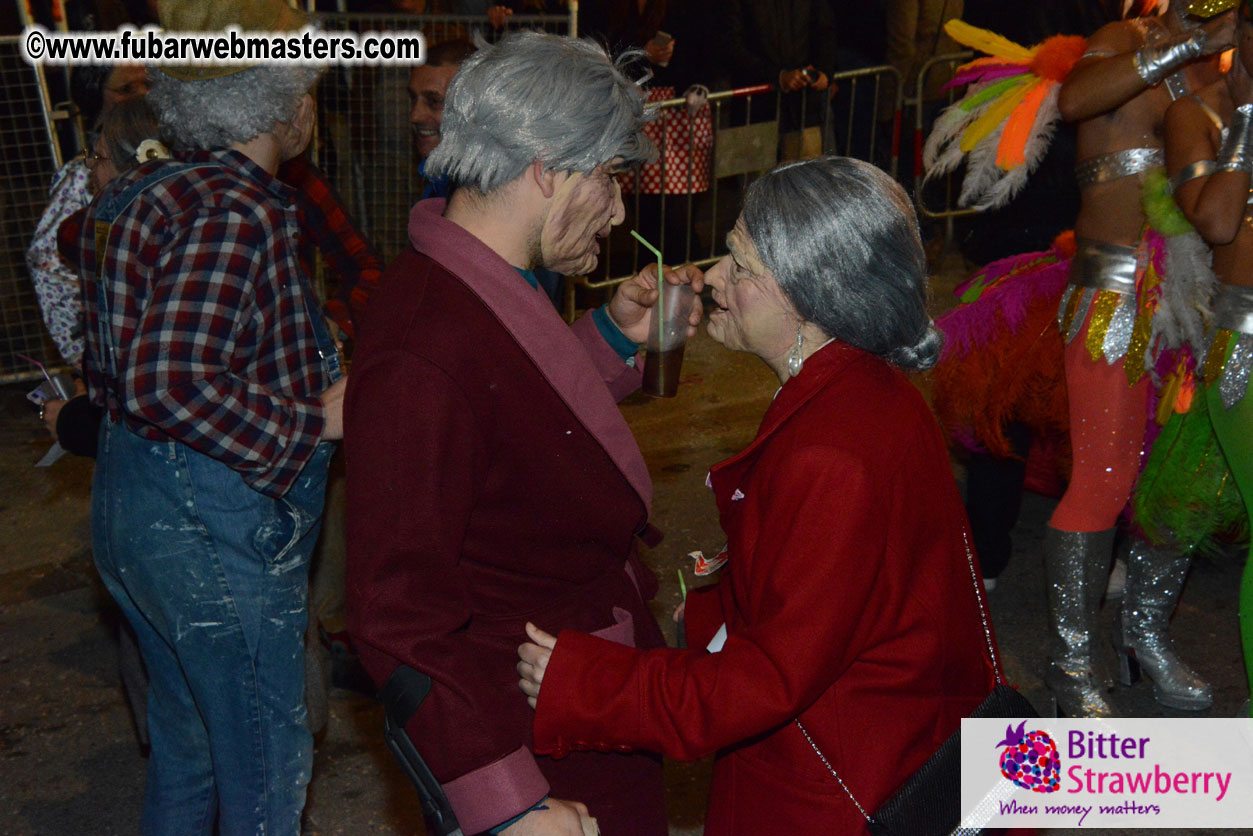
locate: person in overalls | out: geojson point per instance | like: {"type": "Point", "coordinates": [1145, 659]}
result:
{"type": "Point", "coordinates": [222, 388]}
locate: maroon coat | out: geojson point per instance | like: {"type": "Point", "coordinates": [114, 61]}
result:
{"type": "Point", "coordinates": [491, 481]}
{"type": "Point", "coordinates": [849, 602]}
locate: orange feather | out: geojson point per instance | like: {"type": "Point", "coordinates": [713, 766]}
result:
{"type": "Point", "coordinates": [1065, 244]}
{"type": "Point", "coordinates": [1055, 57]}
{"type": "Point", "coordinates": [1010, 153]}
{"type": "Point", "coordinates": [987, 62]}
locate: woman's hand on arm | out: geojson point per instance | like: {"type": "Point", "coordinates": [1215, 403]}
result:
{"type": "Point", "coordinates": [689, 704]}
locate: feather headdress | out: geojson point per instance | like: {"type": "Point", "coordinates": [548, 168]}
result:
{"type": "Point", "coordinates": [1003, 125]}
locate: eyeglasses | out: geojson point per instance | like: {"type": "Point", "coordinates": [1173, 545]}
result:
{"type": "Point", "coordinates": [93, 157]}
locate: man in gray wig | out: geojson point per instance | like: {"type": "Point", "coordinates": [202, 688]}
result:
{"type": "Point", "coordinates": [206, 347]}
{"type": "Point", "coordinates": [492, 479]}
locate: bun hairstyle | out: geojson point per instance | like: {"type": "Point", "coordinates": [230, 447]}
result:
{"type": "Point", "coordinates": [923, 354]}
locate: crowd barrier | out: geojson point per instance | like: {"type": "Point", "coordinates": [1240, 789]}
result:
{"type": "Point", "coordinates": [29, 157]}
{"type": "Point", "coordinates": [938, 201]}
{"type": "Point", "coordinates": [686, 202]}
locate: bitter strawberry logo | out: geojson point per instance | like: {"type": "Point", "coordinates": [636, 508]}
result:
{"type": "Point", "coordinates": [1030, 759]}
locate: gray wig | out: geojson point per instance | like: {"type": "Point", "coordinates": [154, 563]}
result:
{"type": "Point", "coordinates": [535, 96]}
{"type": "Point", "coordinates": [219, 112]}
{"type": "Point", "coordinates": [841, 238]}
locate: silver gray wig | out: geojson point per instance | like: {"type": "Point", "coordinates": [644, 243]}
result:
{"type": "Point", "coordinates": [219, 112]}
{"type": "Point", "coordinates": [535, 96]}
{"type": "Point", "coordinates": [841, 238]}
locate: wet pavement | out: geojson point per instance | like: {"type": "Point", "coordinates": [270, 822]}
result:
{"type": "Point", "coordinates": [69, 763]}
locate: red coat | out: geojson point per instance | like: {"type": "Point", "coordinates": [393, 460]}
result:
{"type": "Point", "coordinates": [491, 481]}
{"type": "Point", "coordinates": [848, 599]}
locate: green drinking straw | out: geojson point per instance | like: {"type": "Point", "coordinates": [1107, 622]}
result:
{"type": "Point", "coordinates": [682, 585]}
{"type": "Point", "coordinates": [656, 252]}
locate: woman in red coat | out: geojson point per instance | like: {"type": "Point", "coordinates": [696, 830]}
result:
{"type": "Point", "coordinates": [848, 601]}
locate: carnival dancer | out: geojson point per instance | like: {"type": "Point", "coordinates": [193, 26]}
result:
{"type": "Point", "coordinates": [1209, 156]}
{"type": "Point", "coordinates": [1118, 94]}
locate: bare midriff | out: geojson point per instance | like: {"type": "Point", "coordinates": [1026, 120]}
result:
{"type": "Point", "coordinates": [1111, 211]}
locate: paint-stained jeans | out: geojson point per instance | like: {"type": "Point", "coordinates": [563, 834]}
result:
{"type": "Point", "coordinates": [212, 576]}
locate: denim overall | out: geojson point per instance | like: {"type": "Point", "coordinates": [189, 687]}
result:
{"type": "Point", "coordinates": [212, 575]}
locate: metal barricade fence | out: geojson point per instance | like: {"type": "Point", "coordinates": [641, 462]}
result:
{"type": "Point", "coordinates": [365, 143]}
{"type": "Point", "coordinates": [28, 160]}
{"type": "Point", "coordinates": [939, 200]}
{"type": "Point", "coordinates": [856, 111]}
{"type": "Point", "coordinates": [687, 213]}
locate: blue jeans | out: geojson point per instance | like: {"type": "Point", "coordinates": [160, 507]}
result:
{"type": "Point", "coordinates": [212, 575]}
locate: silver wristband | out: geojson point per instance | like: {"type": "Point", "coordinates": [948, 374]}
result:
{"type": "Point", "coordinates": [1154, 63]}
{"type": "Point", "coordinates": [1200, 168]}
{"type": "Point", "coordinates": [1237, 151]}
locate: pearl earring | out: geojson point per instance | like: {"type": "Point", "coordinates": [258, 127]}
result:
{"type": "Point", "coordinates": [794, 358]}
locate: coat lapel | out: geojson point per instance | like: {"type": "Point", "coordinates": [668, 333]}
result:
{"type": "Point", "coordinates": [819, 369]}
{"type": "Point", "coordinates": [528, 315]}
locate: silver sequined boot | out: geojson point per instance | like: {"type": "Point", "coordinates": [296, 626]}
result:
{"type": "Point", "coordinates": [1076, 564]}
{"type": "Point", "coordinates": [1155, 576]}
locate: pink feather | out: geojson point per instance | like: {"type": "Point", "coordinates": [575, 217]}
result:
{"type": "Point", "coordinates": [970, 327]}
{"type": "Point", "coordinates": [985, 74]}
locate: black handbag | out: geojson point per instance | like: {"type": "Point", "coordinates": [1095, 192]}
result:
{"type": "Point", "coordinates": [929, 802]}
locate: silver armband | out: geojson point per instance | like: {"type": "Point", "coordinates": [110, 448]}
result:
{"type": "Point", "coordinates": [1154, 63]}
{"type": "Point", "coordinates": [1237, 151]}
{"type": "Point", "coordinates": [1200, 168]}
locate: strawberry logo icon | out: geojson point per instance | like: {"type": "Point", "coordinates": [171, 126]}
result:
{"type": "Point", "coordinates": [1030, 759]}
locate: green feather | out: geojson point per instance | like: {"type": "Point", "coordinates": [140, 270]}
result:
{"type": "Point", "coordinates": [992, 91]}
{"type": "Point", "coordinates": [1160, 209]}
{"type": "Point", "coordinates": [1186, 494]}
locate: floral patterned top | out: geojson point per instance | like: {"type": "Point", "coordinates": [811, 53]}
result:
{"type": "Point", "coordinates": [56, 285]}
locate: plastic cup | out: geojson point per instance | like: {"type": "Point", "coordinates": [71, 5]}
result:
{"type": "Point", "coordinates": [667, 337]}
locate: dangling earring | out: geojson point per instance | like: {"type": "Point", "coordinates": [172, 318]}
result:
{"type": "Point", "coordinates": [794, 358]}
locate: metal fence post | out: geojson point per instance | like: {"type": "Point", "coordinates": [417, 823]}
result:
{"type": "Point", "coordinates": [949, 210]}
{"type": "Point", "coordinates": [31, 156]}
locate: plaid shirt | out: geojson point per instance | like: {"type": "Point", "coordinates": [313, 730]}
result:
{"type": "Point", "coordinates": [349, 258]}
{"type": "Point", "coordinates": [208, 318]}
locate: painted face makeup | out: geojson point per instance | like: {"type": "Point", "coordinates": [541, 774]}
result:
{"type": "Point", "coordinates": [584, 208]}
{"type": "Point", "coordinates": [751, 312]}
